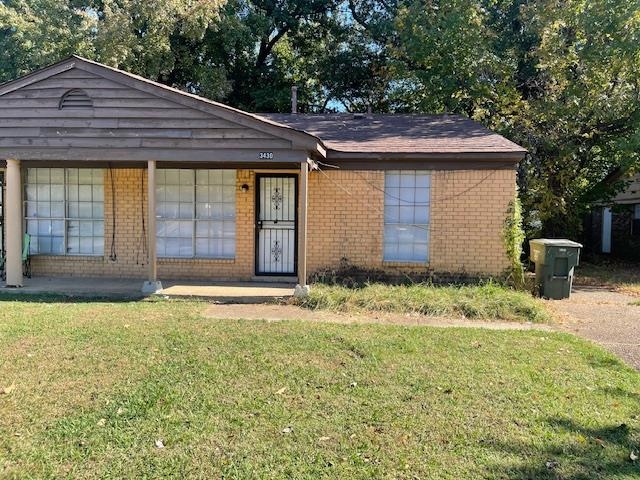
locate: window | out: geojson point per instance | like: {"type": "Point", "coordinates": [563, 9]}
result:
{"type": "Point", "coordinates": [635, 228]}
{"type": "Point", "coordinates": [196, 212]}
{"type": "Point", "coordinates": [406, 216]}
{"type": "Point", "coordinates": [65, 210]}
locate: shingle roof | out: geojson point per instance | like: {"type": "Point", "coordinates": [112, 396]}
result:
{"type": "Point", "coordinates": [448, 134]}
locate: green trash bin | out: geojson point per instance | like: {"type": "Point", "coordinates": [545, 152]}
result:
{"type": "Point", "coordinates": [555, 260]}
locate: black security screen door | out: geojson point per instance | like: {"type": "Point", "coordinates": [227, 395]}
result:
{"type": "Point", "coordinates": [276, 227]}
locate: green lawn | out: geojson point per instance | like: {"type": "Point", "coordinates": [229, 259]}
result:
{"type": "Point", "coordinates": [489, 301]}
{"type": "Point", "coordinates": [92, 386]}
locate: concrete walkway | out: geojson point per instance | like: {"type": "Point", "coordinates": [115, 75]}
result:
{"type": "Point", "coordinates": [275, 313]}
{"type": "Point", "coordinates": [604, 316]}
{"type": "Point", "coordinates": [131, 289]}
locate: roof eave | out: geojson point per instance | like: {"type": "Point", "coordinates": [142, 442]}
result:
{"type": "Point", "coordinates": [514, 156]}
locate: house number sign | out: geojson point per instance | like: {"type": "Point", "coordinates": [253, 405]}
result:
{"type": "Point", "coordinates": [265, 156]}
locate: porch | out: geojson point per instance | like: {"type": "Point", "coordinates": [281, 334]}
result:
{"type": "Point", "coordinates": [112, 176]}
{"type": "Point", "coordinates": [129, 288]}
{"type": "Point", "coordinates": [249, 239]}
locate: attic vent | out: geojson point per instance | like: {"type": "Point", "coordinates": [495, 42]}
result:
{"type": "Point", "coordinates": [75, 98]}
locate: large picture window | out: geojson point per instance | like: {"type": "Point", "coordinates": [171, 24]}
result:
{"type": "Point", "coordinates": [65, 210]}
{"type": "Point", "coordinates": [406, 215]}
{"type": "Point", "coordinates": [196, 212]}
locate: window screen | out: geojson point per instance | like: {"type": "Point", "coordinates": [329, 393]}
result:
{"type": "Point", "coordinates": [406, 215]}
{"type": "Point", "coordinates": [196, 212]}
{"type": "Point", "coordinates": [65, 210]}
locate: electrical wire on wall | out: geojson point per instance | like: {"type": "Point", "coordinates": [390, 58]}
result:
{"type": "Point", "coordinates": [142, 242]}
{"type": "Point", "coordinates": [387, 194]}
{"type": "Point", "coordinates": [113, 256]}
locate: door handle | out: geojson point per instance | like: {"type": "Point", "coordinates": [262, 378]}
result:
{"type": "Point", "coordinates": [260, 224]}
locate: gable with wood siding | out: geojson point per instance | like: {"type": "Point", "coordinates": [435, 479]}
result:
{"type": "Point", "coordinates": [118, 117]}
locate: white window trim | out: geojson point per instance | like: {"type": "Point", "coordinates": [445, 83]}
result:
{"type": "Point", "coordinates": [194, 218]}
{"type": "Point", "coordinates": [66, 219]}
{"type": "Point", "coordinates": [426, 226]}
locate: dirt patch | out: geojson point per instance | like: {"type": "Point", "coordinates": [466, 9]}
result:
{"type": "Point", "coordinates": [604, 316]}
{"type": "Point", "coordinates": [291, 312]}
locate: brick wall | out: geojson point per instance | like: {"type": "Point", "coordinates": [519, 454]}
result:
{"type": "Point", "coordinates": [346, 212]}
{"type": "Point", "coordinates": [467, 219]}
{"type": "Point", "coordinates": [130, 240]}
{"type": "Point", "coordinates": [468, 210]}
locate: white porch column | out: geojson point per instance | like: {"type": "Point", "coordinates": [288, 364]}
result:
{"type": "Point", "coordinates": [302, 288]}
{"type": "Point", "coordinates": [13, 218]}
{"type": "Point", "coordinates": [152, 285]}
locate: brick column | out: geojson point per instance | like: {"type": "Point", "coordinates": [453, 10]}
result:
{"type": "Point", "coordinates": [13, 218]}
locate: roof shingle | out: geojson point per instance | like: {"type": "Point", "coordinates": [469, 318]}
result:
{"type": "Point", "coordinates": [448, 134]}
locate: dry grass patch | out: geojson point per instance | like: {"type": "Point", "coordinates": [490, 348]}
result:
{"type": "Point", "coordinates": [621, 276]}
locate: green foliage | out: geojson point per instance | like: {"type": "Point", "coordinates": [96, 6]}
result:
{"type": "Point", "coordinates": [136, 35]}
{"type": "Point", "coordinates": [35, 33]}
{"type": "Point", "coordinates": [582, 117]}
{"type": "Point", "coordinates": [443, 53]}
{"type": "Point", "coordinates": [514, 236]}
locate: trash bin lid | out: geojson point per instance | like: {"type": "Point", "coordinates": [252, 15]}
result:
{"type": "Point", "coordinates": [556, 242]}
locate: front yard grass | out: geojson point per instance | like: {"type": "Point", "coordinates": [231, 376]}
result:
{"type": "Point", "coordinates": [87, 389]}
{"type": "Point", "coordinates": [622, 276]}
{"type": "Point", "coordinates": [489, 301]}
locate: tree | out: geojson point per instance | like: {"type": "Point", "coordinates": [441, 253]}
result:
{"type": "Point", "coordinates": [560, 78]}
{"type": "Point", "coordinates": [36, 33]}
{"type": "Point", "coordinates": [580, 114]}
{"type": "Point", "coordinates": [131, 34]}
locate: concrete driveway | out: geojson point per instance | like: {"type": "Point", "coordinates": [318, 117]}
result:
{"type": "Point", "coordinates": [604, 316]}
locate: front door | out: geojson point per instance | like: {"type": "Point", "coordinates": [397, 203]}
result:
{"type": "Point", "coordinates": [276, 224]}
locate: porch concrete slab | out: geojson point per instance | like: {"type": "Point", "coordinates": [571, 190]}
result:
{"type": "Point", "coordinates": [227, 292]}
{"type": "Point", "coordinates": [82, 287]}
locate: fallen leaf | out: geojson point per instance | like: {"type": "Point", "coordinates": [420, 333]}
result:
{"type": "Point", "coordinates": [353, 384]}
{"type": "Point", "coordinates": [551, 464]}
{"type": "Point", "coordinates": [102, 422]}
{"type": "Point", "coordinates": [287, 430]}
{"type": "Point", "coordinates": [281, 391]}
{"type": "Point", "coordinates": [159, 444]}
{"type": "Point", "coordinates": [7, 390]}
{"type": "Point", "coordinates": [120, 411]}
{"type": "Point", "coordinates": [633, 456]}
{"type": "Point", "coordinates": [324, 439]}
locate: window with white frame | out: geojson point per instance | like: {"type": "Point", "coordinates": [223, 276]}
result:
{"type": "Point", "coordinates": [196, 213]}
{"type": "Point", "coordinates": [65, 210]}
{"type": "Point", "coordinates": [406, 215]}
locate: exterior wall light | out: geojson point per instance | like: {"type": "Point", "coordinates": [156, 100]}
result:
{"type": "Point", "coordinates": [244, 188]}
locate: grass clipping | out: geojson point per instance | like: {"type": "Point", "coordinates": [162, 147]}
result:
{"type": "Point", "coordinates": [486, 302]}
